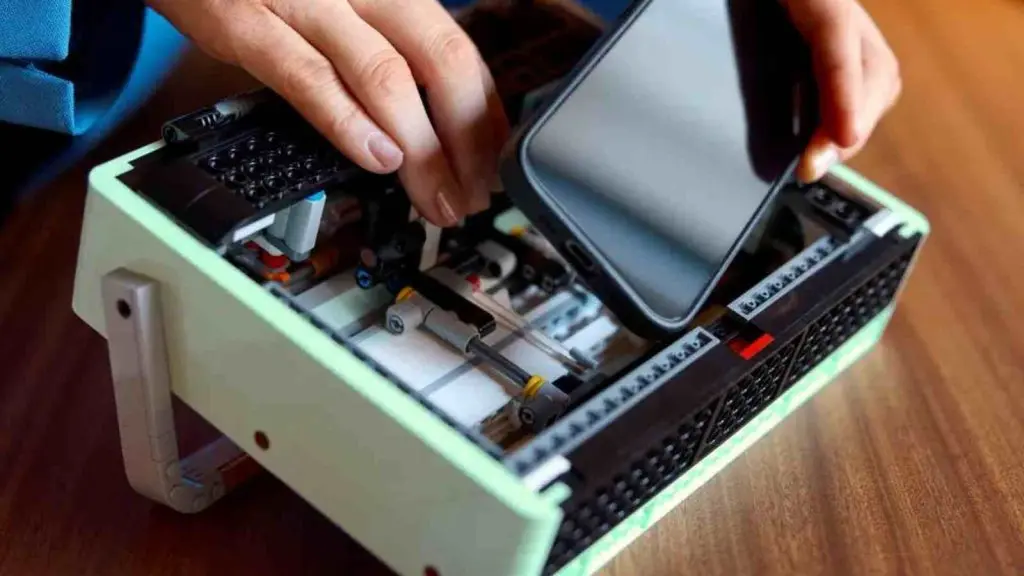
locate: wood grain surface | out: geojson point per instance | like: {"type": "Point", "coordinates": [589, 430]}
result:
{"type": "Point", "coordinates": [911, 463]}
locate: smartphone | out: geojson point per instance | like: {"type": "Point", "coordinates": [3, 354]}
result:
{"type": "Point", "coordinates": [654, 160]}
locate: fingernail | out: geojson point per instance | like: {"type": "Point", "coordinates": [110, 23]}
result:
{"type": "Point", "coordinates": [445, 206]}
{"type": "Point", "coordinates": [385, 151]}
{"type": "Point", "coordinates": [825, 160]}
{"type": "Point", "coordinates": [864, 126]}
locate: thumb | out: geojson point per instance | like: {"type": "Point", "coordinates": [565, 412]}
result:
{"type": "Point", "coordinates": [821, 154]}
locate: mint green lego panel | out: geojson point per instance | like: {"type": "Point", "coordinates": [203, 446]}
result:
{"type": "Point", "coordinates": [411, 489]}
{"type": "Point", "coordinates": [607, 547]}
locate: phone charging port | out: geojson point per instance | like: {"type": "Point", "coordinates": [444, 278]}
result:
{"type": "Point", "coordinates": [579, 256]}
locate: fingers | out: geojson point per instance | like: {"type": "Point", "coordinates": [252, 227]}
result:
{"type": "Point", "coordinates": [353, 75]}
{"type": "Point", "coordinates": [380, 78]}
{"type": "Point", "coordinates": [821, 154]}
{"type": "Point", "coordinates": [463, 103]}
{"type": "Point", "coordinates": [877, 91]}
{"type": "Point", "coordinates": [280, 58]}
{"type": "Point", "coordinates": [835, 44]}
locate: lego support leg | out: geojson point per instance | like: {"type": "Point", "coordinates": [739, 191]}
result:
{"type": "Point", "coordinates": [142, 391]}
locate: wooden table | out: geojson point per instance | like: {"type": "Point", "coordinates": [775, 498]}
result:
{"type": "Point", "coordinates": [912, 463]}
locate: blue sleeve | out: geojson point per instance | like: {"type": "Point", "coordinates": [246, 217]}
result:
{"type": "Point", "coordinates": [38, 30]}
{"type": "Point", "coordinates": [64, 64]}
{"type": "Point", "coordinates": [68, 77]}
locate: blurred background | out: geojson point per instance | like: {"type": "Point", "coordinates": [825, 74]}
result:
{"type": "Point", "coordinates": [910, 463]}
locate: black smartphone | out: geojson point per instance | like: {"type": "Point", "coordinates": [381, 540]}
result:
{"type": "Point", "coordinates": [652, 162]}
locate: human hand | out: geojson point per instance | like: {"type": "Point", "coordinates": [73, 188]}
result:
{"type": "Point", "coordinates": [351, 68]}
{"type": "Point", "coordinates": [858, 78]}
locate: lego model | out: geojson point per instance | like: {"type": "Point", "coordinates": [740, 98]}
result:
{"type": "Point", "coordinates": [455, 399]}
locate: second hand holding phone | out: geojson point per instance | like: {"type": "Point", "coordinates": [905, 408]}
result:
{"type": "Point", "coordinates": [654, 161]}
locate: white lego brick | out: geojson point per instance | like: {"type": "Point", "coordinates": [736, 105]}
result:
{"type": "Point", "coordinates": [471, 397]}
{"type": "Point", "coordinates": [416, 356]}
{"type": "Point", "coordinates": [592, 334]}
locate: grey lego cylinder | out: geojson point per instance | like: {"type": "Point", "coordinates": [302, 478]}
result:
{"type": "Point", "coordinates": [539, 412]}
{"type": "Point", "coordinates": [280, 224]}
{"type": "Point", "coordinates": [405, 315]}
{"type": "Point", "coordinates": [449, 328]}
{"type": "Point", "coordinates": [304, 223]}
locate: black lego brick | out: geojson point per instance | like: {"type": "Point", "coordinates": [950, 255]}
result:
{"type": "Point", "coordinates": [243, 173]}
{"type": "Point", "coordinates": [684, 420]}
{"type": "Point", "coordinates": [818, 293]}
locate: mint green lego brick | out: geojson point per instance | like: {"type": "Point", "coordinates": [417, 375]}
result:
{"type": "Point", "coordinates": [607, 547]}
{"type": "Point", "coordinates": [458, 483]}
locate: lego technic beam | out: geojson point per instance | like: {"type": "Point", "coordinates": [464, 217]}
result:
{"type": "Point", "coordinates": [145, 414]}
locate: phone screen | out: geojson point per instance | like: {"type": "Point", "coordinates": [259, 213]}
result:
{"type": "Point", "coordinates": [661, 156]}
